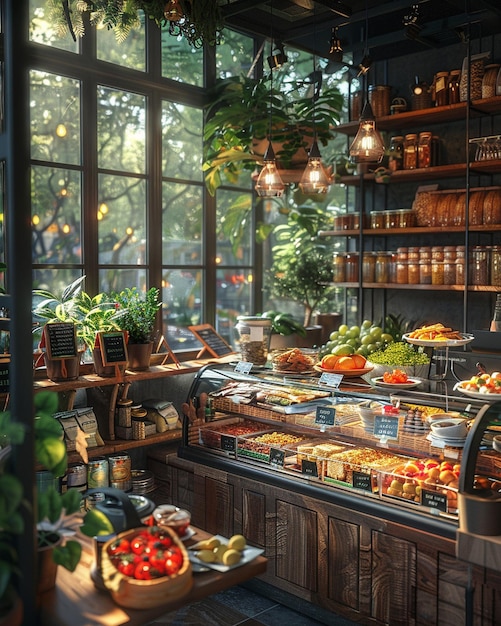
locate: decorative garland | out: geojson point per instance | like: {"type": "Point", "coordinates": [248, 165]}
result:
{"type": "Point", "coordinates": [198, 21]}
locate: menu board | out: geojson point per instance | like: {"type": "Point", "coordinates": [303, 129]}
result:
{"type": "Point", "coordinates": [4, 377]}
{"type": "Point", "coordinates": [212, 342]}
{"type": "Point", "coordinates": [61, 340]}
{"type": "Point", "coordinates": [113, 347]}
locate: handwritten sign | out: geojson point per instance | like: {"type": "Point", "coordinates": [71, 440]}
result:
{"type": "Point", "coordinates": [113, 347]}
{"type": "Point", "coordinates": [434, 500]}
{"type": "Point", "coordinates": [277, 457]}
{"type": "Point", "coordinates": [309, 468]}
{"type": "Point", "coordinates": [325, 415]}
{"type": "Point", "coordinates": [386, 427]}
{"type": "Point", "coordinates": [4, 376]}
{"type": "Point", "coordinates": [362, 481]}
{"type": "Point", "coordinates": [228, 443]}
{"type": "Point", "coordinates": [61, 340]}
{"type": "Point", "coordinates": [212, 341]}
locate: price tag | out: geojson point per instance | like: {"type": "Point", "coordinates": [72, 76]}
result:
{"type": "Point", "coordinates": [228, 443]}
{"type": "Point", "coordinates": [113, 347]}
{"type": "Point", "coordinates": [386, 427]}
{"type": "Point", "coordinates": [325, 416]}
{"type": "Point", "coordinates": [309, 468]}
{"type": "Point", "coordinates": [4, 377]}
{"type": "Point", "coordinates": [277, 457]}
{"type": "Point", "coordinates": [243, 367]}
{"type": "Point", "coordinates": [434, 500]}
{"type": "Point", "coordinates": [362, 481]}
{"type": "Point", "coordinates": [61, 340]}
{"type": "Point", "coordinates": [330, 380]}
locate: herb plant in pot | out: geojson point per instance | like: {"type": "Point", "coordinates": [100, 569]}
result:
{"type": "Point", "coordinates": [137, 314]}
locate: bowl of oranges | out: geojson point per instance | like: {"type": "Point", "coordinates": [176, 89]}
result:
{"type": "Point", "coordinates": [350, 365]}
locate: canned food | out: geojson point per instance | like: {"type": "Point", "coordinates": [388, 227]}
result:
{"type": "Point", "coordinates": [120, 471]}
{"type": "Point", "coordinates": [76, 476]}
{"type": "Point", "coordinates": [97, 473]}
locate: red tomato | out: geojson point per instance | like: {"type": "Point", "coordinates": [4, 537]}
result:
{"type": "Point", "coordinates": [138, 544]}
{"type": "Point", "coordinates": [126, 565]}
{"type": "Point", "coordinates": [119, 546]}
{"type": "Point", "coordinates": [171, 566]}
{"type": "Point", "coordinates": [144, 571]}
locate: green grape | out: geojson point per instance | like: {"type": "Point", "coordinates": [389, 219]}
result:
{"type": "Point", "coordinates": [399, 353]}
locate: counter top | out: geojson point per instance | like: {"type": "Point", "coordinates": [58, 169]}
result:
{"type": "Point", "coordinates": [76, 601]}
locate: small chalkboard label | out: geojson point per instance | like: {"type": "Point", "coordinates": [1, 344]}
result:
{"type": "Point", "coordinates": [61, 340]}
{"type": "Point", "coordinates": [362, 481]}
{"type": "Point", "coordinates": [4, 377]}
{"type": "Point", "coordinates": [243, 367]}
{"type": "Point", "coordinates": [386, 427]}
{"type": "Point", "coordinates": [434, 500]}
{"type": "Point", "coordinates": [330, 380]}
{"type": "Point", "coordinates": [277, 457]}
{"type": "Point", "coordinates": [113, 347]}
{"type": "Point", "coordinates": [212, 341]}
{"type": "Point", "coordinates": [228, 443]}
{"type": "Point", "coordinates": [325, 415]}
{"type": "Point", "coordinates": [309, 468]}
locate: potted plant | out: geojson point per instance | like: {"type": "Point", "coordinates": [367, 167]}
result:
{"type": "Point", "coordinates": [136, 314]}
{"type": "Point", "coordinates": [238, 125]}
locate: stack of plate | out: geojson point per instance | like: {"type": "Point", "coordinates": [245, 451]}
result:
{"type": "Point", "coordinates": [143, 481]}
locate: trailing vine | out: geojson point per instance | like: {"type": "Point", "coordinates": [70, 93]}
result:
{"type": "Point", "coordinates": [198, 21]}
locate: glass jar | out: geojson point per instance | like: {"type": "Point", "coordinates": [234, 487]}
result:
{"type": "Point", "coordinates": [437, 272]}
{"type": "Point", "coordinates": [339, 267]}
{"type": "Point", "coordinates": [489, 80]}
{"type": "Point", "coordinates": [396, 157]}
{"type": "Point", "coordinates": [450, 265]}
{"type": "Point", "coordinates": [424, 149]}
{"type": "Point", "coordinates": [382, 267]}
{"type": "Point", "coordinates": [377, 219]}
{"type": "Point", "coordinates": [351, 267]}
{"type": "Point", "coordinates": [496, 266]}
{"type": "Point", "coordinates": [425, 272]}
{"type": "Point", "coordinates": [401, 271]}
{"type": "Point", "coordinates": [460, 265]}
{"type": "Point", "coordinates": [410, 151]}
{"type": "Point", "coordinates": [413, 272]}
{"type": "Point", "coordinates": [391, 219]}
{"type": "Point", "coordinates": [254, 338]}
{"type": "Point", "coordinates": [437, 253]}
{"type": "Point", "coordinates": [479, 269]}
{"type": "Point", "coordinates": [453, 86]}
{"type": "Point", "coordinates": [369, 267]}
{"type": "Point", "coordinates": [440, 85]}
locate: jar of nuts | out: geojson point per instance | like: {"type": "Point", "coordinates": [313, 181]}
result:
{"type": "Point", "coordinates": [254, 338]}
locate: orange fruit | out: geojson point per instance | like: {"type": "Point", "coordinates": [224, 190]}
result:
{"type": "Point", "coordinates": [359, 361]}
{"type": "Point", "coordinates": [345, 363]}
{"type": "Point", "coordinates": [329, 362]}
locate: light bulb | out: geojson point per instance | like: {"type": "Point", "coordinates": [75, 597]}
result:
{"type": "Point", "coordinates": [368, 146]}
{"type": "Point", "coordinates": [269, 183]}
{"type": "Point", "coordinates": [314, 178]}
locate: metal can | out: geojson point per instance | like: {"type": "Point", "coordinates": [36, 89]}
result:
{"type": "Point", "coordinates": [76, 476]}
{"type": "Point", "coordinates": [97, 473]}
{"type": "Point", "coordinates": [120, 471]}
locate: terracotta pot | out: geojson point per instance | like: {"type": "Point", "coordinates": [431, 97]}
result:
{"type": "Point", "coordinates": [47, 568]}
{"type": "Point", "coordinates": [139, 356]}
{"type": "Point", "coordinates": [60, 370]}
{"type": "Point", "coordinates": [313, 338]}
{"type": "Point", "coordinates": [107, 371]}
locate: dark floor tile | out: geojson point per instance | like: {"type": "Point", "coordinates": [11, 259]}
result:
{"type": "Point", "coordinates": [244, 600]}
{"type": "Point", "coordinates": [208, 612]}
{"type": "Point", "coordinates": [282, 615]}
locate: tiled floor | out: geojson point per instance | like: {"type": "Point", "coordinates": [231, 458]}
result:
{"type": "Point", "coordinates": [243, 607]}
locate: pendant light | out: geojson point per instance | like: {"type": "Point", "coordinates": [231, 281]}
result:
{"type": "Point", "coordinates": [314, 178]}
{"type": "Point", "coordinates": [269, 183]}
{"type": "Point", "coordinates": [368, 146]}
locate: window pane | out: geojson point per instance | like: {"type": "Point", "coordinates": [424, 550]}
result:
{"type": "Point", "coordinates": [182, 224]}
{"type": "Point", "coordinates": [235, 223]}
{"type": "Point", "coordinates": [182, 306]}
{"type": "Point", "coordinates": [180, 60]}
{"type": "Point", "coordinates": [56, 215]}
{"type": "Point", "coordinates": [128, 53]}
{"type": "Point", "coordinates": [121, 130]}
{"type": "Point", "coordinates": [234, 54]}
{"type": "Point", "coordinates": [111, 279]}
{"type": "Point", "coordinates": [55, 118]}
{"type": "Point", "coordinates": [46, 29]}
{"type": "Point", "coordinates": [181, 141]}
{"type": "Point", "coordinates": [122, 220]}
{"type": "Point", "coordinates": [233, 298]}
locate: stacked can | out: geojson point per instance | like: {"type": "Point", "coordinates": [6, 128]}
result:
{"type": "Point", "coordinates": [120, 471]}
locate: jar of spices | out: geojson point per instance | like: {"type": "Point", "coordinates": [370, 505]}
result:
{"type": "Point", "coordinates": [396, 156]}
{"type": "Point", "coordinates": [391, 219]}
{"type": "Point", "coordinates": [424, 149]}
{"type": "Point", "coordinates": [369, 267]}
{"type": "Point", "coordinates": [123, 412]}
{"type": "Point", "coordinates": [479, 274]}
{"type": "Point", "coordinates": [496, 266]}
{"type": "Point", "coordinates": [382, 272]}
{"type": "Point", "coordinates": [460, 265]}
{"type": "Point", "coordinates": [441, 88]}
{"type": "Point", "coordinates": [254, 338]}
{"type": "Point", "coordinates": [351, 267]}
{"type": "Point", "coordinates": [377, 219]}
{"type": "Point", "coordinates": [453, 86]}
{"type": "Point", "coordinates": [413, 271]}
{"type": "Point", "coordinates": [338, 267]}
{"type": "Point", "coordinates": [449, 265]}
{"type": "Point", "coordinates": [410, 151]}
{"type": "Point", "coordinates": [437, 272]}
{"type": "Point", "coordinates": [437, 253]}
{"type": "Point", "coordinates": [401, 269]}
{"type": "Point", "coordinates": [425, 271]}
{"type": "Point", "coordinates": [138, 428]}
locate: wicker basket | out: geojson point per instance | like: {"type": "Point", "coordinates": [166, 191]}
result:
{"type": "Point", "coordinates": [146, 594]}
{"type": "Point", "coordinates": [227, 406]}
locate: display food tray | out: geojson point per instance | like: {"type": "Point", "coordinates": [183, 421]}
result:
{"type": "Point", "coordinates": [227, 406]}
{"type": "Point", "coordinates": [223, 436]}
{"type": "Point", "coordinates": [249, 446]}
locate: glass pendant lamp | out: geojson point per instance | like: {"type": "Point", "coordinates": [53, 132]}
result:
{"type": "Point", "coordinates": [314, 178]}
{"type": "Point", "coordinates": [368, 146]}
{"type": "Point", "coordinates": [269, 183]}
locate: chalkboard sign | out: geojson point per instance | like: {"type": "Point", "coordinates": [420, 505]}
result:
{"type": "Point", "coordinates": [362, 481]}
{"type": "Point", "coordinates": [325, 415]}
{"type": "Point", "coordinates": [113, 347]}
{"type": "Point", "coordinates": [277, 457]}
{"type": "Point", "coordinates": [386, 427]}
{"type": "Point", "coordinates": [309, 468]}
{"type": "Point", "coordinates": [212, 342]}
{"type": "Point", "coordinates": [4, 376]}
{"type": "Point", "coordinates": [434, 500]}
{"type": "Point", "coordinates": [61, 340]}
{"type": "Point", "coordinates": [228, 443]}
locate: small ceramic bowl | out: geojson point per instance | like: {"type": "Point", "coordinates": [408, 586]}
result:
{"type": "Point", "coordinates": [449, 427]}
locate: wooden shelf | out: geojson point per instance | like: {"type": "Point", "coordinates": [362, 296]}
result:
{"type": "Point", "coordinates": [415, 230]}
{"type": "Point", "coordinates": [418, 287]}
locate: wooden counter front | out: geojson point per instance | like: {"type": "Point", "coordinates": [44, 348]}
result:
{"type": "Point", "coordinates": [77, 602]}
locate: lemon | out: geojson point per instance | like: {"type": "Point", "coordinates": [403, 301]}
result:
{"type": "Point", "coordinates": [237, 542]}
{"type": "Point", "coordinates": [231, 557]}
{"type": "Point", "coordinates": [220, 551]}
{"type": "Point", "coordinates": [206, 556]}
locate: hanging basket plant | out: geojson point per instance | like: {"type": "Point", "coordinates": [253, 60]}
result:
{"type": "Point", "coordinates": [198, 21]}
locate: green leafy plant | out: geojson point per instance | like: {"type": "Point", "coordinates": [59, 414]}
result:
{"type": "Point", "coordinates": [238, 125]}
{"type": "Point", "coordinates": [137, 313]}
{"type": "Point", "coordinates": [284, 324]}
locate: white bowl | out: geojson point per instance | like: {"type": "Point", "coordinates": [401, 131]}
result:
{"type": "Point", "coordinates": [413, 371]}
{"type": "Point", "coordinates": [450, 428]}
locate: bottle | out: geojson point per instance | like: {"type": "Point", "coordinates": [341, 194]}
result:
{"type": "Point", "coordinates": [496, 319]}
{"type": "Point", "coordinates": [410, 151]}
{"type": "Point", "coordinates": [396, 158]}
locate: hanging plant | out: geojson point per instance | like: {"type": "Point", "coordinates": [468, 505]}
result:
{"type": "Point", "coordinates": [199, 21]}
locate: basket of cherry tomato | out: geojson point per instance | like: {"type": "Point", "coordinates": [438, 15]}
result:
{"type": "Point", "coordinates": [146, 567]}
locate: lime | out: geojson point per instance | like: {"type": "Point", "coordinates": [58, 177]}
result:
{"type": "Point", "coordinates": [343, 350]}
{"type": "Point", "coordinates": [387, 337]}
{"type": "Point", "coordinates": [343, 329]}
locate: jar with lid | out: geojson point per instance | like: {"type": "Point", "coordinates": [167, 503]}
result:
{"type": "Point", "coordinates": [453, 86]}
{"type": "Point", "coordinates": [437, 272]}
{"type": "Point", "coordinates": [460, 265]}
{"type": "Point", "coordinates": [254, 338]}
{"type": "Point", "coordinates": [413, 271]}
{"type": "Point", "coordinates": [410, 151]}
{"type": "Point", "coordinates": [391, 219]}
{"type": "Point", "coordinates": [369, 267]}
{"type": "Point", "coordinates": [479, 274]}
{"type": "Point", "coordinates": [425, 271]}
{"type": "Point", "coordinates": [123, 412]}
{"type": "Point", "coordinates": [437, 253]}
{"type": "Point", "coordinates": [424, 149]}
{"type": "Point", "coordinates": [338, 267]}
{"type": "Point", "coordinates": [396, 156]}
{"type": "Point", "coordinates": [449, 265]}
{"type": "Point", "coordinates": [440, 88]}
{"type": "Point", "coordinates": [401, 267]}
{"type": "Point", "coordinates": [496, 266]}
{"type": "Point", "coordinates": [383, 270]}
{"type": "Point", "coordinates": [489, 80]}
{"type": "Point", "coordinates": [377, 219]}
{"type": "Point", "coordinates": [351, 267]}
